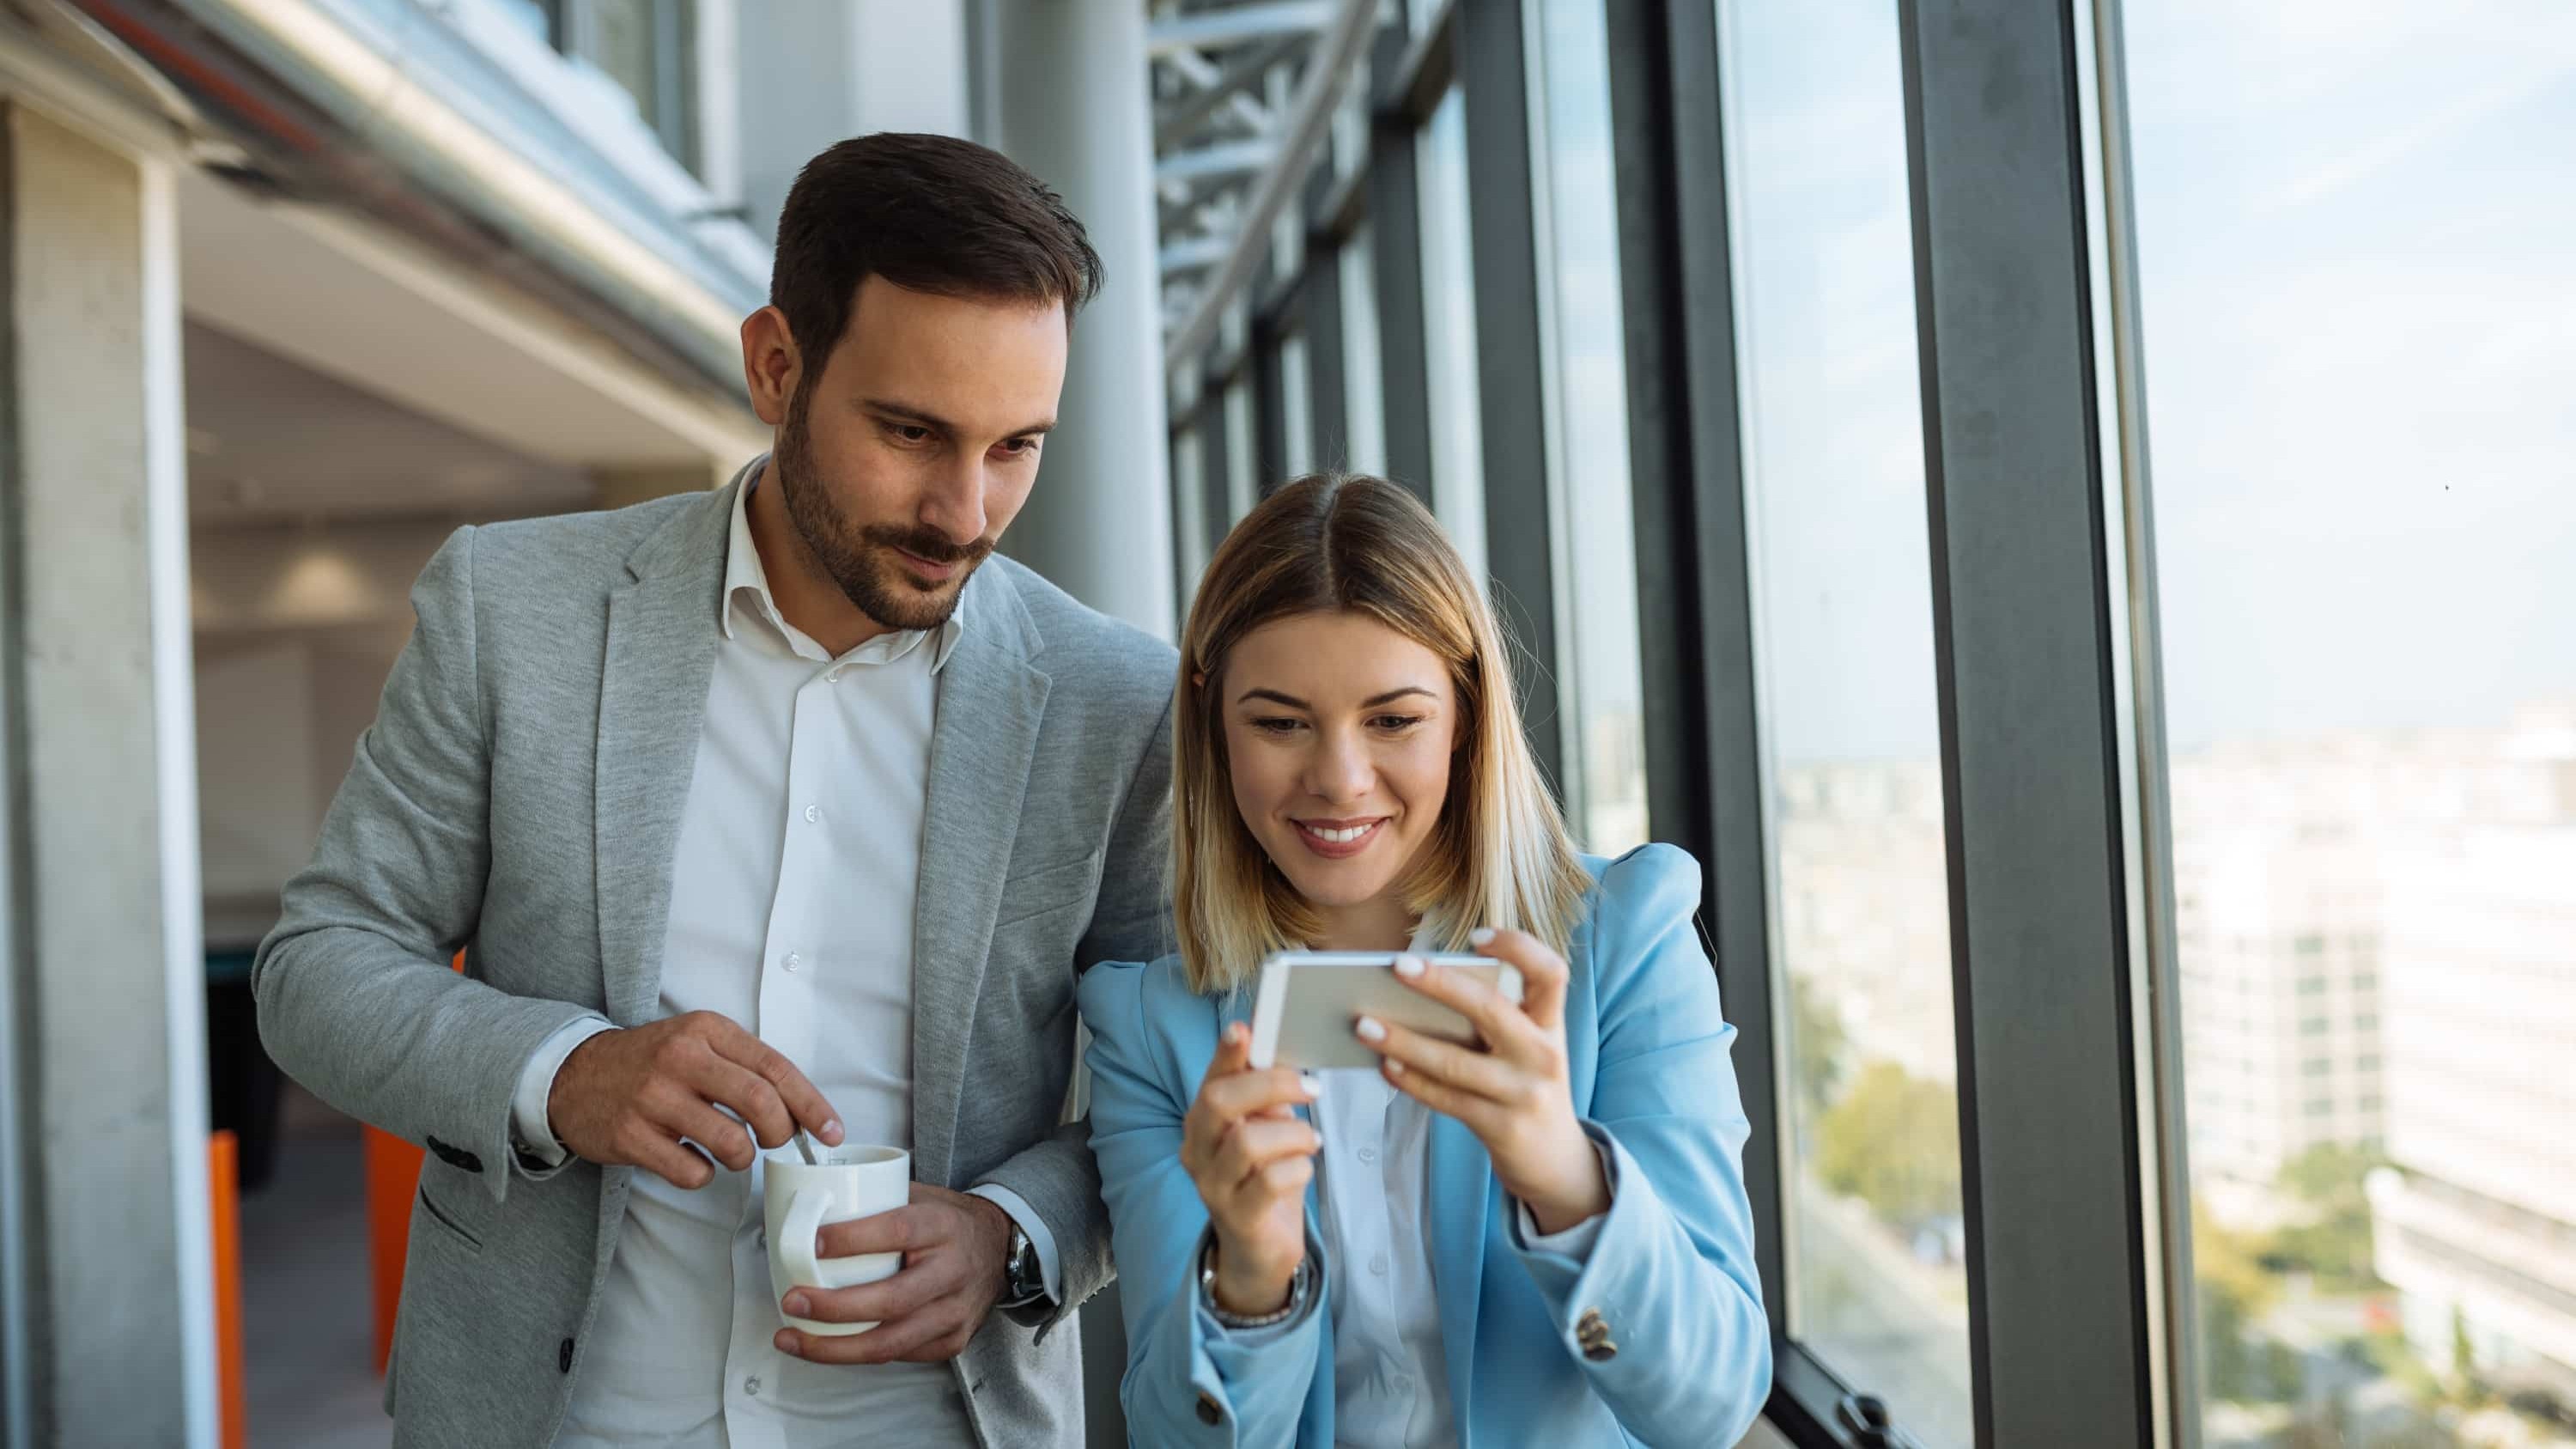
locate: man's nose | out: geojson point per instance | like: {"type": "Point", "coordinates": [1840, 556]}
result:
{"type": "Point", "coordinates": [954, 505]}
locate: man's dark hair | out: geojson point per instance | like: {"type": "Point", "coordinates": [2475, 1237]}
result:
{"type": "Point", "coordinates": [929, 214]}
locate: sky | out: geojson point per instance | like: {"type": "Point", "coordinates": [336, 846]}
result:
{"type": "Point", "coordinates": [2357, 241]}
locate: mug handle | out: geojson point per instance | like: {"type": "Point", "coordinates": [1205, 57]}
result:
{"type": "Point", "coordinates": [805, 1209]}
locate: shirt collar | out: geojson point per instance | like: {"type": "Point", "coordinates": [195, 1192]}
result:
{"type": "Point", "coordinates": [746, 585]}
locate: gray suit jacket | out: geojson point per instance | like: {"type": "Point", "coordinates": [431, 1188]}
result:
{"type": "Point", "coordinates": [519, 796]}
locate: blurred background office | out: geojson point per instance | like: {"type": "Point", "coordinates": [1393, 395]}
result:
{"type": "Point", "coordinates": [2067, 509]}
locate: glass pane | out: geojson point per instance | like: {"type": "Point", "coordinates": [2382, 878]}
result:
{"type": "Point", "coordinates": [1189, 513]}
{"type": "Point", "coordinates": [2358, 281]}
{"type": "Point", "coordinates": [1297, 414]}
{"type": "Point", "coordinates": [1449, 325]}
{"type": "Point", "coordinates": [1851, 730]}
{"type": "Point", "coordinates": [1363, 381]}
{"type": "Point", "coordinates": [620, 43]}
{"type": "Point", "coordinates": [1242, 449]}
{"type": "Point", "coordinates": [1588, 437]}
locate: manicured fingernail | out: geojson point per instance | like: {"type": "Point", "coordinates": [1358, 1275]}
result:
{"type": "Point", "coordinates": [1313, 1082]}
{"type": "Point", "coordinates": [797, 1305]}
{"type": "Point", "coordinates": [1237, 1032]}
{"type": "Point", "coordinates": [1481, 936]}
{"type": "Point", "coordinates": [831, 1132]}
{"type": "Point", "coordinates": [1394, 1068]}
{"type": "Point", "coordinates": [1408, 965]}
{"type": "Point", "coordinates": [785, 1341]}
{"type": "Point", "coordinates": [1371, 1029]}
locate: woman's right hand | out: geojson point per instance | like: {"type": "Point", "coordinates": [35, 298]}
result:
{"type": "Point", "coordinates": [1251, 1158]}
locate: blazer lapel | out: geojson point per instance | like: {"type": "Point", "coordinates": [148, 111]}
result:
{"type": "Point", "coordinates": [662, 632]}
{"type": "Point", "coordinates": [991, 700]}
{"type": "Point", "coordinates": [1462, 1191]}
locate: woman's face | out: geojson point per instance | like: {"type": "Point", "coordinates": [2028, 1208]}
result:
{"type": "Point", "coordinates": [1339, 732]}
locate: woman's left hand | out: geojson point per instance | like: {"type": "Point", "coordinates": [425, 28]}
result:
{"type": "Point", "coordinates": [1513, 1093]}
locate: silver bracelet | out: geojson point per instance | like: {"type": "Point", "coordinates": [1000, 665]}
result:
{"type": "Point", "coordinates": [1207, 1291]}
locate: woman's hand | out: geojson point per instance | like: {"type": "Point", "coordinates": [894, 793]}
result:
{"type": "Point", "coordinates": [1251, 1158]}
{"type": "Point", "coordinates": [1513, 1094]}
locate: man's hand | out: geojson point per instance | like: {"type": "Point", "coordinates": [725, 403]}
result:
{"type": "Point", "coordinates": [626, 1098]}
{"type": "Point", "coordinates": [954, 1248]}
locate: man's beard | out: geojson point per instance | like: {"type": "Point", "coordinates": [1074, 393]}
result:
{"type": "Point", "coordinates": [860, 559]}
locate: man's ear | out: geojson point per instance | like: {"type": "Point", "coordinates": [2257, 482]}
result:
{"type": "Point", "coordinates": [771, 365]}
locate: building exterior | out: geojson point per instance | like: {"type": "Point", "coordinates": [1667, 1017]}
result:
{"type": "Point", "coordinates": [2474, 1222]}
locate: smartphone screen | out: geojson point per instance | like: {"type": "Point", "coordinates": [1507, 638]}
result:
{"type": "Point", "coordinates": [1310, 1000]}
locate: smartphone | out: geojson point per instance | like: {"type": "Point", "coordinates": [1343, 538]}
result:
{"type": "Point", "coordinates": [1308, 1001]}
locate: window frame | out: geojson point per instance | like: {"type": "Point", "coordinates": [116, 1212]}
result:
{"type": "Point", "coordinates": [2044, 618]}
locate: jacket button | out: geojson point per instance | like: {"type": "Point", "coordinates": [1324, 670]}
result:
{"type": "Point", "coordinates": [1209, 1412]}
{"type": "Point", "coordinates": [1600, 1350]}
{"type": "Point", "coordinates": [563, 1357]}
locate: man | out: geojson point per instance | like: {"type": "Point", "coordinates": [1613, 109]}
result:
{"type": "Point", "coordinates": [787, 805]}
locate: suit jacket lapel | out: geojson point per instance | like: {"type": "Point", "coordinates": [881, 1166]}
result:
{"type": "Point", "coordinates": [662, 634]}
{"type": "Point", "coordinates": [991, 700]}
{"type": "Point", "coordinates": [1462, 1191]}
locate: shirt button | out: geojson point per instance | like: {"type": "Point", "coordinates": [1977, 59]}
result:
{"type": "Point", "coordinates": [793, 961]}
{"type": "Point", "coordinates": [832, 676]}
{"type": "Point", "coordinates": [1368, 1154]}
{"type": "Point", "coordinates": [813, 813]}
{"type": "Point", "coordinates": [751, 1386]}
{"type": "Point", "coordinates": [1377, 1265]}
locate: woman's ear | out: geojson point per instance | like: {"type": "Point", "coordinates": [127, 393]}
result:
{"type": "Point", "coordinates": [1198, 679]}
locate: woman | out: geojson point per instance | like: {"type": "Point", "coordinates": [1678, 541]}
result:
{"type": "Point", "coordinates": [1540, 1241]}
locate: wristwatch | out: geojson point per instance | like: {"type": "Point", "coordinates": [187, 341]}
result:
{"type": "Point", "coordinates": [1023, 1275]}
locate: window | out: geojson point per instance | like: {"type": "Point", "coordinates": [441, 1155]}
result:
{"type": "Point", "coordinates": [1189, 515]}
{"type": "Point", "coordinates": [1363, 383]}
{"type": "Point", "coordinates": [1242, 466]}
{"type": "Point", "coordinates": [650, 49]}
{"type": "Point", "coordinates": [1833, 462]}
{"type": "Point", "coordinates": [1297, 414]}
{"type": "Point", "coordinates": [1591, 510]}
{"type": "Point", "coordinates": [2359, 318]}
{"type": "Point", "coordinates": [1449, 328]}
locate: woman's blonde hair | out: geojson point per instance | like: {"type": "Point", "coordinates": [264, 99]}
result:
{"type": "Point", "coordinates": [1499, 855]}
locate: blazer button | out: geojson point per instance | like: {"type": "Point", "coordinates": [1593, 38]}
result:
{"type": "Point", "coordinates": [1600, 1350]}
{"type": "Point", "coordinates": [1209, 1412]}
{"type": "Point", "coordinates": [1590, 1325]}
{"type": "Point", "coordinates": [563, 1357]}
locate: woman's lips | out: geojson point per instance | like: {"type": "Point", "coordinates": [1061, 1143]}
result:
{"type": "Point", "coordinates": [1331, 849]}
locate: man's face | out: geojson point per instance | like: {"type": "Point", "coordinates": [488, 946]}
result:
{"type": "Point", "coordinates": [905, 453]}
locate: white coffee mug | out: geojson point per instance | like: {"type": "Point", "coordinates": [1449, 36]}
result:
{"type": "Point", "coordinates": [849, 1182]}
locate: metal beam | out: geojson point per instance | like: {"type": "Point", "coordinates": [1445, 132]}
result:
{"type": "Point", "coordinates": [1511, 388]}
{"type": "Point", "coordinates": [1310, 119]}
{"type": "Point", "coordinates": [2026, 668]}
{"type": "Point", "coordinates": [1193, 254]}
{"type": "Point", "coordinates": [1224, 158]}
{"type": "Point", "coordinates": [1230, 87]}
{"type": "Point", "coordinates": [1236, 24]}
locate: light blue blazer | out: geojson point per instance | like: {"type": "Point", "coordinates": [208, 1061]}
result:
{"type": "Point", "coordinates": [1670, 1276]}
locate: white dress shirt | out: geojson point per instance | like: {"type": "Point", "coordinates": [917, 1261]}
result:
{"type": "Point", "coordinates": [1390, 1375]}
{"type": "Point", "coordinates": [792, 896]}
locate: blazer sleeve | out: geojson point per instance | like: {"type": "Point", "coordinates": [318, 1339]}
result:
{"type": "Point", "coordinates": [1187, 1382]}
{"type": "Point", "coordinates": [1131, 915]}
{"type": "Point", "coordinates": [356, 998]}
{"type": "Point", "coordinates": [1669, 1283]}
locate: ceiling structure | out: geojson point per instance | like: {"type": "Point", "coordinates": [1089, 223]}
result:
{"type": "Point", "coordinates": [1243, 92]}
